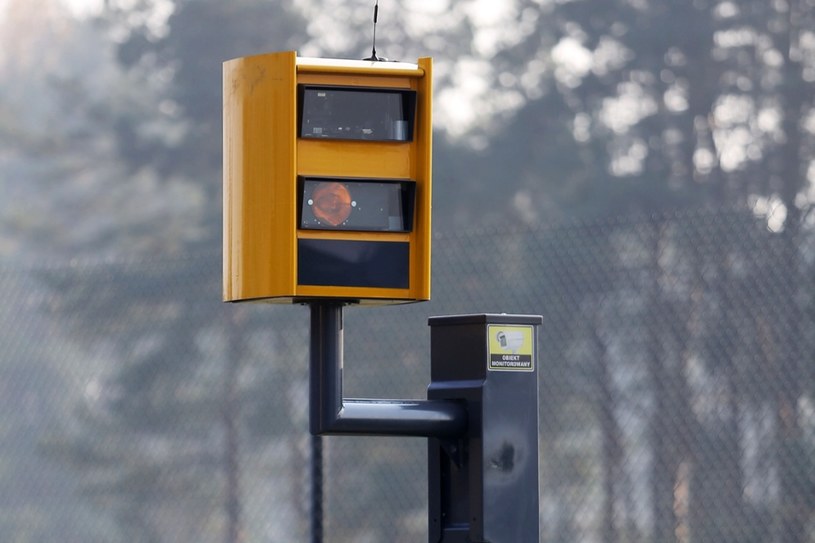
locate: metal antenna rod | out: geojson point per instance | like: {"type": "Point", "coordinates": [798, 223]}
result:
{"type": "Point", "coordinates": [376, 16]}
{"type": "Point", "coordinates": [373, 48]}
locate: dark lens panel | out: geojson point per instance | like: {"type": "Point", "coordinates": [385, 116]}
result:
{"type": "Point", "coordinates": [369, 206]}
{"type": "Point", "coordinates": [348, 113]}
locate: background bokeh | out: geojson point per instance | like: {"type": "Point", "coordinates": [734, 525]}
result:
{"type": "Point", "coordinates": [638, 172]}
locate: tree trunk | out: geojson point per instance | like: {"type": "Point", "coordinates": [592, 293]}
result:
{"type": "Point", "coordinates": [791, 458]}
{"type": "Point", "coordinates": [612, 441]}
{"type": "Point", "coordinates": [663, 464]}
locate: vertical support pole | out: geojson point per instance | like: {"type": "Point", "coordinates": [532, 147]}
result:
{"type": "Point", "coordinates": [325, 344]}
{"type": "Point", "coordinates": [317, 485]}
{"type": "Point", "coordinates": [483, 487]}
{"type": "Point", "coordinates": [325, 364]}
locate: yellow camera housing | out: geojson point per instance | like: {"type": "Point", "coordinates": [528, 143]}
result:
{"type": "Point", "coordinates": [327, 179]}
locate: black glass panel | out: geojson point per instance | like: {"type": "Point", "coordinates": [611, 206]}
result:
{"type": "Point", "coordinates": [346, 263]}
{"type": "Point", "coordinates": [360, 113]}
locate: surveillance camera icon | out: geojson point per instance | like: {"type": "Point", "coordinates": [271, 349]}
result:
{"type": "Point", "coordinates": [510, 341]}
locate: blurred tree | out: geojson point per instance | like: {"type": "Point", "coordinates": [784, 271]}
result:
{"type": "Point", "coordinates": [144, 143]}
{"type": "Point", "coordinates": [677, 106]}
{"type": "Point", "coordinates": [189, 48]}
{"type": "Point", "coordinates": [52, 169]}
{"type": "Point", "coordinates": [186, 52]}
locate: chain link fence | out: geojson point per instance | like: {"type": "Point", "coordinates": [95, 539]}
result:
{"type": "Point", "coordinates": [677, 391]}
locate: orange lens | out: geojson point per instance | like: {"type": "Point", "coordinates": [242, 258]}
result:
{"type": "Point", "coordinates": [332, 203]}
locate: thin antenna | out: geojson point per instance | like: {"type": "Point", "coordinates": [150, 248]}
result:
{"type": "Point", "coordinates": [373, 48]}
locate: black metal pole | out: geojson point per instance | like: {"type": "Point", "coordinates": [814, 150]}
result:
{"type": "Point", "coordinates": [330, 414]}
{"type": "Point", "coordinates": [325, 364]}
{"type": "Point", "coordinates": [316, 489]}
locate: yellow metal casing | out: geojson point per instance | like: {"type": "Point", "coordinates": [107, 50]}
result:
{"type": "Point", "coordinates": [265, 161]}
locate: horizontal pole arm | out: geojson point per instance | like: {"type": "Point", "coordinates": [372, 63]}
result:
{"type": "Point", "coordinates": [331, 414]}
{"type": "Point", "coordinates": [422, 418]}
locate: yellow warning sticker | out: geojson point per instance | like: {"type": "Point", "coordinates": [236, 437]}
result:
{"type": "Point", "coordinates": [511, 347]}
